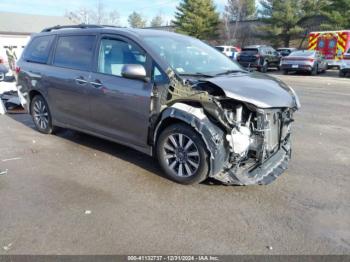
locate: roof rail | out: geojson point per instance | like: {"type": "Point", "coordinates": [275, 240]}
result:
{"type": "Point", "coordinates": [58, 27]}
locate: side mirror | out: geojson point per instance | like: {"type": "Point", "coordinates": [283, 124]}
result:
{"type": "Point", "coordinates": [134, 71]}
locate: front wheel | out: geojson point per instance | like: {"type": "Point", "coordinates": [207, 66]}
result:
{"type": "Point", "coordinates": [182, 154]}
{"type": "Point", "coordinates": [341, 73]}
{"type": "Point", "coordinates": [41, 115]}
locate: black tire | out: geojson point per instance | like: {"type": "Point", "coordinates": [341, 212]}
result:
{"type": "Point", "coordinates": [41, 115]}
{"type": "Point", "coordinates": [325, 69]}
{"type": "Point", "coordinates": [285, 72]}
{"type": "Point", "coordinates": [264, 67]}
{"type": "Point", "coordinates": [172, 159]}
{"type": "Point", "coordinates": [314, 70]}
{"type": "Point", "coordinates": [278, 68]}
{"type": "Point", "coordinates": [341, 73]}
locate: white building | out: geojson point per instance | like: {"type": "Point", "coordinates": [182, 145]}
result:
{"type": "Point", "coordinates": [16, 28]}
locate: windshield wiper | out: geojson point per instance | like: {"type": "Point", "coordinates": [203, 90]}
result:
{"type": "Point", "coordinates": [197, 75]}
{"type": "Point", "coordinates": [227, 72]}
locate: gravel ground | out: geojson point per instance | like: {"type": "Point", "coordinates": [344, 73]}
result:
{"type": "Point", "coordinates": [71, 193]}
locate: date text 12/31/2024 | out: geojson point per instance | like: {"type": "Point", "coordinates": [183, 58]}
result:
{"type": "Point", "coordinates": [173, 258]}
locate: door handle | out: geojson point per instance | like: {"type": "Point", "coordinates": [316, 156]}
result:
{"type": "Point", "coordinates": [80, 81]}
{"type": "Point", "coordinates": [96, 83]}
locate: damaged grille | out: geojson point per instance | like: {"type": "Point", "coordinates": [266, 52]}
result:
{"type": "Point", "coordinates": [272, 130]}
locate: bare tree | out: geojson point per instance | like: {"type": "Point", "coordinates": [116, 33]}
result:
{"type": "Point", "coordinates": [226, 26]}
{"type": "Point", "coordinates": [238, 10]}
{"type": "Point", "coordinates": [80, 16]}
{"type": "Point", "coordinates": [96, 16]}
{"type": "Point", "coordinates": [100, 13]}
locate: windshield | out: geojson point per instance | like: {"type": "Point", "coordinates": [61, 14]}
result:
{"type": "Point", "coordinates": [302, 53]}
{"type": "Point", "coordinates": [189, 56]}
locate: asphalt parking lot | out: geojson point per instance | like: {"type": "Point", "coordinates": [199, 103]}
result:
{"type": "Point", "coordinates": [71, 193]}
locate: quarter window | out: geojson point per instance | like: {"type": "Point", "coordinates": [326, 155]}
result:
{"type": "Point", "coordinates": [74, 52]}
{"type": "Point", "coordinates": [114, 54]}
{"type": "Point", "coordinates": [38, 50]}
{"type": "Point", "coordinates": [158, 76]}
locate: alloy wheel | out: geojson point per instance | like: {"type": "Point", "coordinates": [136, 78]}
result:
{"type": "Point", "coordinates": [181, 155]}
{"type": "Point", "coordinates": [40, 114]}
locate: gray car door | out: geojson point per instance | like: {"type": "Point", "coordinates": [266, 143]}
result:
{"type": "Point", "coordinates": [69, 81]}
{"type": "Point", "coordinates": [120, 107]}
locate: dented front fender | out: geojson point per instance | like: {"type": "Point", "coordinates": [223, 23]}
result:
{"type": "Point", "coordinates": [212, 135]}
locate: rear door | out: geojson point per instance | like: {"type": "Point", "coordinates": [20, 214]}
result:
{"type": "Point", "coordinates": [327, 45]}
{"type": "Point", "coordinates": [275, 57]}
{"type": "Point", "coordinates": [271, 55]}
{"type": "Point", "coordinates": [33, 66]}
{"type": "Point", "coordinates": [120, 106]}
{"type": "Point", "coordinates": [69, 79]}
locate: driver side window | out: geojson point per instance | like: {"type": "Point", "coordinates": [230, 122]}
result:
{"type": "Point", "coordinates": [114, 54]}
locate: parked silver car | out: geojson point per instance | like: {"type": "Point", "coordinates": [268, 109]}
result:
{"type": "Point", "coordinates": [164, 94]}
{"type": "Point", "coordinates": [304, 61]}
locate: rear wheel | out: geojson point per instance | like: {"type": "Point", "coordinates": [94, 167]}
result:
{"type": "Point", "coordinates": [182, 154]}
{"type": "Point", "coordinates": [341, 73]}
{"type": "Point", "coordinates": [285, 72]}
{"type": "Point", "coordinates": [314, 70]}
{"type": "Point", "coordinates": [264, 67]}
{"type": "Point", "coordinates": [41, 115]}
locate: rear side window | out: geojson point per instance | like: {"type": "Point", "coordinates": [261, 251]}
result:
{"type": "Point", "coordinates": [38, 50]}
{"type": "Point", "coordinates": [74, 52]}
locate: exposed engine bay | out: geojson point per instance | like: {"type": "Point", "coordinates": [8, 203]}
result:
{"type": "Point", "coordinates": [248, 144]}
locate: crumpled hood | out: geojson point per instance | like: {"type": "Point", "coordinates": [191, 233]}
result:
{"type": "Point", "coordinates": [258, 89]}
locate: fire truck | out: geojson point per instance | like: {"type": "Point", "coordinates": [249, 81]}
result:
{"type": "Point", "coordinates": [332, 44]}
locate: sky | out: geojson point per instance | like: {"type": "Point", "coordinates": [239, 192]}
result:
{"type": "Point", "coordinates": [148, 8]}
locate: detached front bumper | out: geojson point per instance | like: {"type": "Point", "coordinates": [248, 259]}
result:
{"type": "Point", "coordinates": [260, 174]}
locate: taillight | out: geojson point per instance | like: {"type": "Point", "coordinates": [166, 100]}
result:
{"type": "Point", "coordinates": [1, 61]}
{"type": "Point", "coordinates": [311, 60]}
{"type": "Point", "coordinates": [18, 69]}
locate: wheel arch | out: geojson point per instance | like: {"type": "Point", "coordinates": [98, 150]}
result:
{"type": "Point", "coordinates": [31, 95]}
{"type": "Point", "coordinates": [212, 135]}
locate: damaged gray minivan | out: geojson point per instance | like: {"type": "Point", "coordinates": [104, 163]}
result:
{"type": "Point", "coordinates": [164, 94]}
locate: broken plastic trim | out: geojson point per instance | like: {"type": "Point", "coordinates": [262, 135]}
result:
{"type": "Point", "coordinates": [183, 91]}
{"type": "Point", "coordinates": [212, 135]}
